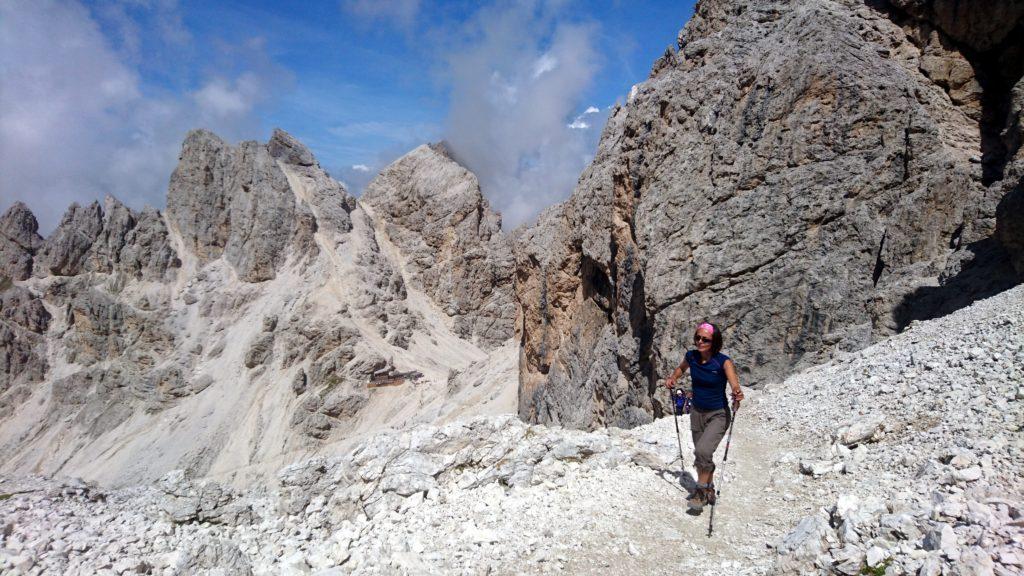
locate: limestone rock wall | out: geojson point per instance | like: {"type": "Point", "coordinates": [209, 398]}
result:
{"type": "Point", "coordinates": [233, 201]}
{"type": "Point", "coordinates": [809, 175]}
{"type": "Point", "coordinates": [434, 212]}
{"type": "Point", "coordinates": [23, 322]}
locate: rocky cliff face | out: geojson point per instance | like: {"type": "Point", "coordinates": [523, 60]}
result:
{"type": "Point", "coordinates": [809, 175]}
{"type": "Point", "coordinates": [435, 214]}
{"type": "Point", "coordinates": [249, 322]}
{"type": "Point", "coordinates": [237, 202]}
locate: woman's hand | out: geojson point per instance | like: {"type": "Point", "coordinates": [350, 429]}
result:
{"type": "Point", "coordinates": [737, 396]}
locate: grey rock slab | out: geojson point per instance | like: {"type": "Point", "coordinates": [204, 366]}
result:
{"type": "Point", "coordinates": [299, 381]}
{"type": "Point", "coordinates": [24, 321]}
{"type": "Point", "coordinates": [213, 556]}
{"type": "Point", "coordinates": [805, 543]}
{"type": "Point", "coordinates": [816, 467]}
{"type": "Point", "coordinates": [260, 350]}
{"type": "Point", "coordinates": [940, 537]}
{"type": "Point", "coordinates": [865, 430]}
{"type": "Point", "coordinates": [974, 561]}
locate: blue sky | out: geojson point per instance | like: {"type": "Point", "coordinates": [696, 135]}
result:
{"type": "Point", "coordinates": [96, 97]}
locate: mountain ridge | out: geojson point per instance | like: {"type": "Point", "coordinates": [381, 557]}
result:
{"type": "Point", "coordinates": [264, 286]}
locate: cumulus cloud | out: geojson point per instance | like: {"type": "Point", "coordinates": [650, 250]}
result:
{"type": "Point", "coordinates": [517, 79]}
{"type": "Point", "coordinates": [400, 13]}
{"type": "Point", "coordinates": [580, 122]}
{"type": "Point", "coordinates": [225, 98]}
{"type": "Point", "coordinates": [360, 167]}
{"type": "Point", "coordinates": [78, 121]}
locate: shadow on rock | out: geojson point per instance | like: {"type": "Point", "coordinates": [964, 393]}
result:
{"type": "Point", "coordinates": [988, 274]}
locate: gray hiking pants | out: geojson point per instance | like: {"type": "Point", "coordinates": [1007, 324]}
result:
{"type": "Point", "coordinates": [708, 429]}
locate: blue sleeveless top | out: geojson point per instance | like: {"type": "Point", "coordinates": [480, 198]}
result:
{"type": "Point", "coordinates": [708, 381]}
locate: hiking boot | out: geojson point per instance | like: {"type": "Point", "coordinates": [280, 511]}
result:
{"type": "Point", "coordinates": [709, 493]}
{"type": "Point", "coordinates": [697, 500]}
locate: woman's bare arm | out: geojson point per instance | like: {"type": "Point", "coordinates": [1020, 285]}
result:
{"type": "Point", "coordinates": [734, 382]}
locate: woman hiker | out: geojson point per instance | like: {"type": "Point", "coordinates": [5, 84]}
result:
{"type": "Point", "coordinates": [709, 419]}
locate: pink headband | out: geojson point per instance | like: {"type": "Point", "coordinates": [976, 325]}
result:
{"type": "Point", "coordinates": [707, 327]}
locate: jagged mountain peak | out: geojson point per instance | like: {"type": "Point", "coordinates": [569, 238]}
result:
{"type": "Point", "coordinates": [264, 281]}
{"type": "Point", "coordinates": [429, 172]}
{"type": "Point", "coordinates": [434, 211]}
{"type": "Point", "coordinates": [19, 225]}
{"type": "Point", "coordinates": [241, 202]}
{"type": "Point", "coordinates": [19, 240]}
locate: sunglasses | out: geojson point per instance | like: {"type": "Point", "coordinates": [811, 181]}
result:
{"type": "Point", "coordinates": [699, 339]}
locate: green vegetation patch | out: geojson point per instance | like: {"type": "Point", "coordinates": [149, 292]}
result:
{"type": "Point", "coordinates": [878, 570]}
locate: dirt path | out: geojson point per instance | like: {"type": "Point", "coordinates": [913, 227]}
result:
{"type": "Point", "coordinates": [667, 539]}
{"type": "Point", "coordinates": [634, 519]}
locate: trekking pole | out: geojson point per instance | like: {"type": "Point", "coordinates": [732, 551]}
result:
{"type": "Point", "coordinates": [728, 439]}
{"type": "Point", "coordinates": [676, 409]}
{"type": "Point", "coordinates": [718, 490]}
{"type": "Point", "coordinates": [711, 517]}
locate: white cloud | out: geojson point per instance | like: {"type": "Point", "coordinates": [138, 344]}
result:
{"type": "Point", "coordinates": [516, 79]}
{"type": "Point", "coordinates": [360, 167]}
{"type": "Point", "coordinates": [163, 24]}
{"type": "Point", "coordinates": [399, 13]}
{"type": "Point", "coordinates": [546, 63]}
{"type": "Point", "coordinates": [580, 122]}
{"type": "Point", "coordinates": [220, 99]}
{"type": "Point", "coordinates": [225, 98]}
{"type": "Point", "coordinates": [77, 120]}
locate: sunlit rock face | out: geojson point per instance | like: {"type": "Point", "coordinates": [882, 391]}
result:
{"type": "Point", "coordinates": [809, 175]}
{"type": "Point", "coordinates": [434, 212]}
